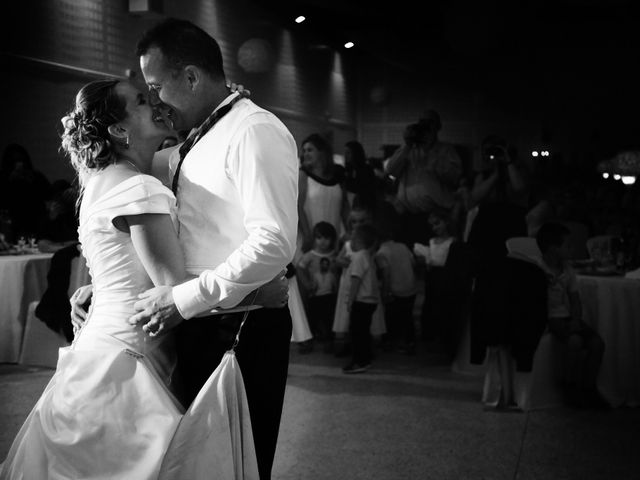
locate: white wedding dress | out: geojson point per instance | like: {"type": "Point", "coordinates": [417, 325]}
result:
{"type": "Point", "coordinates": [108, 411]}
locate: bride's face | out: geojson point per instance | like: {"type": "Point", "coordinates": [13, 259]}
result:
{"type": "Point", "coordinates": [143, 123]}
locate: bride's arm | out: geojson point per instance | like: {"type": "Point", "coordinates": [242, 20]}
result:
{"type": "Point", "coordinates": [156, 244]}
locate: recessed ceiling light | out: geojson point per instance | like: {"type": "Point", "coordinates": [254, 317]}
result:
{"type": "Point", "coordinates": [349, 45]}
{"type": "Point", "coordinates": [300, 19]}
{"type": "Point", "coordinates": [628, 179]}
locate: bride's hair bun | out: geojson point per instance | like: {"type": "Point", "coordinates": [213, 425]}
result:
{"type": "Point", "coordinates": [86, 137]}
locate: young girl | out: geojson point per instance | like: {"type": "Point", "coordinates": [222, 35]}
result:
{"type": "Point", "coordinates": [363, 298]}
{"type": "Point", "coordinates": [317, 272]}
{"type": "Point", "coordinates": [447, 283]}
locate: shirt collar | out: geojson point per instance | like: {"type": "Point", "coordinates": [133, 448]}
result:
{"type": "Point", "coordinates": [228, 99]}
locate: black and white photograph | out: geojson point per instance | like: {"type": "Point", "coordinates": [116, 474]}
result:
{"type": "Point", "coordinates": [320, 240]}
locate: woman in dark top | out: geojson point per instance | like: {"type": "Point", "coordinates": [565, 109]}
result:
{"type": "Point", "coordinates": [23, 191]}
{"type": "Point", "coordinates": [321, 196]}
{"type": "Point", "coordinates": [360, 181]}
{"type": "Point", "coordinates": [499, 192]}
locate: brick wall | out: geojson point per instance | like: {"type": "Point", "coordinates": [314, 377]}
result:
{"type": "Point", "coordinates": [345, 97]}
{"type": "Point", "coordinates": [66, 43]}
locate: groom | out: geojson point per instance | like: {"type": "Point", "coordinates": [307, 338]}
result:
{"type": "Point", "coordinates": [235, 180]}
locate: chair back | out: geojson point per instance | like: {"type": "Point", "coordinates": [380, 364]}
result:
{"type": "Point", "coordinates": [524, 248]}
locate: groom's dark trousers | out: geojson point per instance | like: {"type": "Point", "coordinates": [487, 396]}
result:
{"type": "Point", "coordinates": [263, 356]}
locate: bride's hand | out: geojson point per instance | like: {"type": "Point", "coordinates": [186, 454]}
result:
{"type": "Point", "coordinates": [238, 87]}
{"type": "Point", "coordinates": [80, 306]}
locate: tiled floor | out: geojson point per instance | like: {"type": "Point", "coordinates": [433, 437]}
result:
{"type": "Point", "coordinates": [408, 418]}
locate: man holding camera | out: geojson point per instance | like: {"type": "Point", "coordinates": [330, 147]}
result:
{"type": "Point", "coordinates": [428, 174]}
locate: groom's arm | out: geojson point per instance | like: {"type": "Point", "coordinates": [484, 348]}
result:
{"type": "Point", "coordinates": [263, 166]}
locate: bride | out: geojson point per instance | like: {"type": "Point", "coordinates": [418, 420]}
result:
{"type": "Point", "coordinates": [111, 408]}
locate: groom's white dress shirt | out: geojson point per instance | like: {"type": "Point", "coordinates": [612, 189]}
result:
{"type": "Point", "coordinates": [236, 207]}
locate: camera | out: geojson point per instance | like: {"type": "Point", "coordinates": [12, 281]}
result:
{"type": "Point", "coordinates": [414, 134]}
{"type": "Point", "coordinates": [494, 152]}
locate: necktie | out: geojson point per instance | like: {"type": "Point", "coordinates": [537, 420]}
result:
{"type": "Point", "coordinates": [198, 134]}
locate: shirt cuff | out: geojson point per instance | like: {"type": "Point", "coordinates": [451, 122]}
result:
{"type": "Point", "coordinates": [188, 300]}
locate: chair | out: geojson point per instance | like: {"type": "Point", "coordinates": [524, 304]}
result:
{"type": "Point", "coordinates": [40, 343]}
{"type": "Point", "coordinates": [536, 384]}
{"type": "Point", "coordinates": [524, 248]}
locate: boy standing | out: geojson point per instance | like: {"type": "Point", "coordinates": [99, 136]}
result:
{"type": "Point", "coordinates": [397, 266]}
{"type": "Point", "coordinates": [364, 296]}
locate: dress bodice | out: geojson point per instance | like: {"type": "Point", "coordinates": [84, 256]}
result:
{"type": "Point", "coordinates": [117, 273]}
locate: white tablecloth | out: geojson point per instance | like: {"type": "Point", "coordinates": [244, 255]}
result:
{"type": "Point", "coordinates": [23, 279]}
{"type": "Point", "coordinates": [611, 305]}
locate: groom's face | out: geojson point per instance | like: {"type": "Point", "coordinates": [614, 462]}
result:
{"type": "Point", "coordinates": [169, 89]}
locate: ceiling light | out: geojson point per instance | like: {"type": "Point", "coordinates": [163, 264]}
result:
{"type": "Point", "coordinates": [534, 153]}
{"type": "Point", "coordinates": [300, 19]}
{"type": "Point", "coordinates": [628, 179]}
{"type": "Point", "coordinates": [616, 176]}
{"type": "Point", "coordinates": [605, 175]}
{"type": "Point", "coordinates": [349, 45]}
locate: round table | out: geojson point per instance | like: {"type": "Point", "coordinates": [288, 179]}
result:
{"type": "Point", "coordinates": [611, 305]}
{"type": "Point", "coordinates": [23, 279]}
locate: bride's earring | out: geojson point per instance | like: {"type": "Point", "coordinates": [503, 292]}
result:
{"type": "Point", "coordinates": [126, 142]}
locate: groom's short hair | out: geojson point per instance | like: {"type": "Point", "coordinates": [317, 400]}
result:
{"type": "Point", "coordinates": [182, 43]}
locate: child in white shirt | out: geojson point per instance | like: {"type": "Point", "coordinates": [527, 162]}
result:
{"type": "Point", "coordinates": [397, 268]}
{"type": "Point", "coordinates": [447, 283]}
{"type": "Point", "coordinates": [317, 271]}
{"type": "Point", "coordinates": [364, 297]}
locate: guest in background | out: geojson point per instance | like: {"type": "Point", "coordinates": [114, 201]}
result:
{"type": "Point", "coordinates": [583, 347]}
{"type": "Point", "coordinates": [447, 280]}
{"type": "Point", "coordinates": [321, 196]}
{"type": "Point", "coordinates": [322, 303]}
{"type": "Point", "coordinates": [496, 212]}
{"type": "Point", "coordinates": [23, 192]}
{"type": "Point", "coordinates": [360, 180]}
{"type": "Point", "coordinates": [358, 216]}
{"type": "Point", "coordinates": [428, 173]}
{"type": "Point", "coordinates": [317, 271]}
{"type": "Point", "coordinates": [61, 227]}
{"type": "Point", "coordinates": [397, 267]}
{"type": "Point", "coordinates": [363, 298]}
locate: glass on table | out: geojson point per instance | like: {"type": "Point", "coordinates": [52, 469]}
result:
{"type": "Point", "coordinates": [33, 243]}
{"type": "Point", "coordinates": [21, 246]}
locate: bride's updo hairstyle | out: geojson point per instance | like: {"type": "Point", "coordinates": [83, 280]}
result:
{"type": "Point", "coordinates": [86, 139]}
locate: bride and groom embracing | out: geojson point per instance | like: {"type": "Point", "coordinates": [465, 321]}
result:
{"type": "Point", "coordinates": [136, 395]}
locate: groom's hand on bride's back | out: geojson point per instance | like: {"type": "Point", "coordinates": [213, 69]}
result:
{"type": "Point", "coordinates": [80, 301]}
{"type": "Point", "coordinates": [157, 312]}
